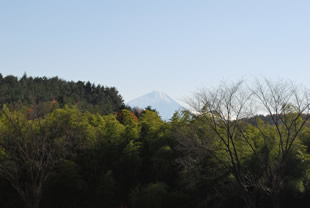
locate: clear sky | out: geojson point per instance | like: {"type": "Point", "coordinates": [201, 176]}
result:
{"type": "Point", "coordinates": [175, 46]}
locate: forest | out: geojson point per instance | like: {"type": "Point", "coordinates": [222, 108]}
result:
{"type": "Point", "coordinates": [75, 145]}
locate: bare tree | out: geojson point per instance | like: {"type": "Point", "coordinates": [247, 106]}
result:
{"type": "Point", "coordinates": [288, 107]}
{"type": "Point", "coordinates": [223, 110]}
{"type": "Point", "coordinates": [226, 110]}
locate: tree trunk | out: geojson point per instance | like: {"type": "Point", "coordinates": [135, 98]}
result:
{"type": "Point", "coordinates": [250, 204]}
{"type": "Point", "coordinates": [250, 200]}
{"type": "Point", "coordinates": [33, 199]}
{"type": "Point", "coordinates": [34, 203]}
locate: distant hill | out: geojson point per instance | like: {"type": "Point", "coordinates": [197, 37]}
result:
{"type": "Point", "coordinates": [267, 119]}
{"type": "Point", "coordinates": [28, 91]}
{"type": "Point", "coordinates": [164, 104]}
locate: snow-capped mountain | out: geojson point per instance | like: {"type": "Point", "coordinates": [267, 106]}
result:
{"type": "Point", "coordinates": [164, 104]}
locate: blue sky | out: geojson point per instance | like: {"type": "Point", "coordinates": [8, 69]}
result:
{"type": "Point", "coordinates": [138, 46]}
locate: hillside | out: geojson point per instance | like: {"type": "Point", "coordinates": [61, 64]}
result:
{"type": "Point", "coordinates": [29, 91]}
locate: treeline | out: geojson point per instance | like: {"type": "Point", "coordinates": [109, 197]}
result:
{"type": "Point", "coordinates": [73, 159]}
{"type": "Point", "coordinates": [29, 91]}
{"type": "Point", "coordinates": [70, 158]}
{"type": "Point", "coordinates": [218, 156]}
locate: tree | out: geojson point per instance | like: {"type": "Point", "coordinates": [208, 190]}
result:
{"type": "Point", "coordinates": [288, 106]}
{"type": "Point", "coordinates": [223, 110]}
{"type": "Point", "coordinates": [226, 109]}
{"type": "Point", "coordinates": [151, 195]}
{"type": "Point", "coordinates": [30, 149]}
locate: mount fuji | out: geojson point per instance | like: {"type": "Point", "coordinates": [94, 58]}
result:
{"type": "Point", "coordinates": [164, 104]}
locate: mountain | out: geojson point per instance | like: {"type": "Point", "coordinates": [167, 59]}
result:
{"type": "Point", "coordinates": [164, 104]}
{"type": "Point", "coordinates": [32, 91]}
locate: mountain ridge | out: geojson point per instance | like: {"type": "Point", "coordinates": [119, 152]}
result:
{"type": "Point", "coordinates": [163, 103]}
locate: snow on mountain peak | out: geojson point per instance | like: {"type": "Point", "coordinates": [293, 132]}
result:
{"type": "Point", "coordinates": [161, 95]}
{"type": "Point", "coordinates": [164, 104]}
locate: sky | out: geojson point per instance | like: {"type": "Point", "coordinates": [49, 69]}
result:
{"type": "Point", "coordinates": [174, 46]}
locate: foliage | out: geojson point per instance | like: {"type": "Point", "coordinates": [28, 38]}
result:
{"type": "Point", "coordinates": [29, 91]}
{"type": "Point", "coordinates": [57, 155]}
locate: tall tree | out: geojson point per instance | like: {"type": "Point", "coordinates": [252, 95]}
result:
{"type": "Point", "coordinates": [30, 149]}
{"type": "Point", "coordinates": [288, 106]}
{"type": "Point", "coordinates": [226, 109]}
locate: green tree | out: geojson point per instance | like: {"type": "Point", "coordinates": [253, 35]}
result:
{"type": "Point", "coordinates": [30, 149]}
